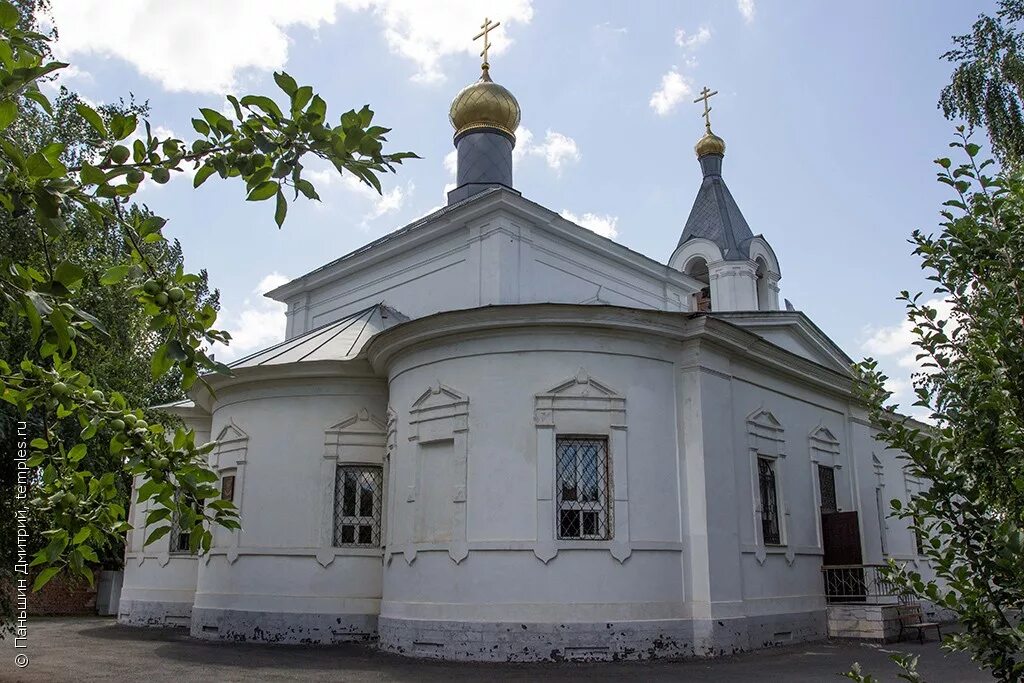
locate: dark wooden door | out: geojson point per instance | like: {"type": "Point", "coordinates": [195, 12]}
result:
{"type": "Point", "coordinates": [840, 532]}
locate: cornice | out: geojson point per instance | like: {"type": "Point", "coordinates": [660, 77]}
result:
{"type": "Point", "coordinates": [357, 369]}
{"type": "Point", "coordinates": [680, 327]}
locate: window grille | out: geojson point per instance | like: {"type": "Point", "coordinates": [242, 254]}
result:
{"type": "Point", "coordinates": [358, 491]}
{"type": "Point", "coordinates": [918, 537]}
{"type": "Point", "coordinates": [882, 532]}
{"type": "Point", "coordinates": [769, 501]}
{"type": "Point", "coordinates": [180, 538]}
{"type": "Point", "coordinates": [584, 488]}
{"type": "Point", "coordinates": [827, 484]}
{"type": "Point", "coordinates": [227, 487]}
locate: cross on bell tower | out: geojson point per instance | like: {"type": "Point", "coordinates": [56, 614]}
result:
{"type": "Point", "coordinates": [705, 95]}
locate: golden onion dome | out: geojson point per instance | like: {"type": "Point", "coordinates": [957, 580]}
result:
{"type": "Point", "coordinates": [710, 144]}
{"type": "Point", "coordinates": [485, 104]}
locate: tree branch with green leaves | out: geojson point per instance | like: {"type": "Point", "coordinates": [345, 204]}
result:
{"type": "Point", "coordinates": [264, 145]}
{"type": "Point", "coordinates": [970, 513]}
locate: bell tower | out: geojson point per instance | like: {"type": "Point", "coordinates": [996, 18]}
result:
{"type": "Point", "coordinates": [739, 270]}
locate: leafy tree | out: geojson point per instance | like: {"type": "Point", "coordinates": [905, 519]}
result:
{"type": "Point", "coordinates": [988, 82]}
{"type": "Point", "coordinates": [52, 186]}
{"type": "Point", "coordinates": [122, 358]}
{"type": "Point", "coordinates": [972, 514]}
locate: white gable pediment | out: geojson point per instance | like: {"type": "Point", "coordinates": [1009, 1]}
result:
{"type": "Point", "coordinates": [794, 332]}
{"type": "Point", "coordinates": [765, 420]}
{"type": "Point", "coordinates": [823, 441]}
{"type": "Point", "coordinates": [231, 433]}
{"type": "Point", "coordinates": [824, 436]}
{"type": "Point", "coordinates": [581, 393]}
{"type": "Point", "coordinates": [232, 444]}
{"type": "Point", "coordinates": [361, 422]}
{"type": "Point", "coordinates": [361, 429]}
{"type": "Point", "coordinates": [438, 396]}
{"type": "Point", "coordinates": [581, 385]}
{"type": "Point", "coordinates": [765, 433]}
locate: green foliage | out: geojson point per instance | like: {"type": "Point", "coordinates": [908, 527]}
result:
{"type": "Point", "coordinates": [972, 515]}
{"type": "Point", "coordinates": [52, 187]}
{"type": "Point", "coordinates": [907, 665]}
{"type": "Point", "coordinates": [988, 80]}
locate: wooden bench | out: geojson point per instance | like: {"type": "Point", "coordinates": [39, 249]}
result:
{"type": "Point", "coordinates": [911, 617]}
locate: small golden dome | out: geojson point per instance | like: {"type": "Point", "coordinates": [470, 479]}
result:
{"type": "Point", "coordinates": [710, 144]}
{"type": "Point", "coordinates": [485, 104]}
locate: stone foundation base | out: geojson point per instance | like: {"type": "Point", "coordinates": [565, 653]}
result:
{"type": "Point", "coordinates": [282, 627]}
{"type": "Point", "coordinates": [606, 641]}
{"type": "Point", "coordinates": [151, 613]}
{"type": "Point", "coordinates": [516, 642]}
{"type": "Point", "coordinates": [489, 641]}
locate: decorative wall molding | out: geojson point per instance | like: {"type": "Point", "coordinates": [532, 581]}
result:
{"type": "Point", "coordinates": [581, 405]}
{"type": "Point", "coordinates": [824, 447]}
{"type": "Point", "coordinates": [824, 450]}
{"type": "Point", "coordinates": [766, 437]}
{"type": "Point", "coordinates": [358, 439]}
{"type": "Point", "coordinates": [441, 413]}
{"type": "Point", "coordinates": [230, 454]}
{"type": "Point", "coordinates": [391, 442]}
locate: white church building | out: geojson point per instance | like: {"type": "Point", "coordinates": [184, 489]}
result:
{"type": "Point", "coordinates": [493, 434]}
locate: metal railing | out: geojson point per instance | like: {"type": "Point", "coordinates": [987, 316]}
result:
{"type": "Point", "coordinates": [864, 583]}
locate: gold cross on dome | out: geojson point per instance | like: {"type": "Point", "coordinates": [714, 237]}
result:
{"type": "Point", "coordinates": [487, 27]}
{"type": "Point", "coordinates": [705, 95]}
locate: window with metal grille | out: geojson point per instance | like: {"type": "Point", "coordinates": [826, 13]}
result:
{"type": "Point", "coordinates": [918, 537]}
{"type": "Point", "coordinates": [227, 487]}
{"type": "Point", "coordinates": [769, 501]}
{"type": "Point", "coordinates": [358, 490]}
{"type": "Point", "coordinates": [882, 531]}
{"type": "Point", "coordinates": [180, 538]}
{"type": "Point", "coordinates": [584, 488]}
{"type": "Point", "coordinates": [827, 484]}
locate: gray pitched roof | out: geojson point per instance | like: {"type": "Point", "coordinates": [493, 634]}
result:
{"type": "Point", "coordinates": [340, 340]}
{"type": "Point", "coordinates": [716, 217]}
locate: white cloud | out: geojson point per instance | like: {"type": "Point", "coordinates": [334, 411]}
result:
{"type": "Point", "coordinates": [260, 323]}
{"type": "Point", "coordinates": [425, 32]}
{"type": "Point", "coordinates": [674, 87]}
{"type": "Point", "coordinates": [557, 149]}
{"type": "Point", "coordinates": [320, 177]}
{"type": "Point", "coordinates": [747, 9]}
{"type": "Point", "coordinates": [694, 40]}
{"type": "Point", "coordinates": [381, 204]}
{"type": "Point", "coordinates": [451, 161]}
{"type": "Point", "coordinates": [192, 45]}
{"type": "Point", "coordinates": [893, 347]}
{"type": "Point", "coordinates": [378, 204]}
{"type": "Point", "coordinates": [602, 225]}
{"type": "Point", "coordinates": [66, 77]}
{"type": "Point", "coordinates": [524, 142]}
{"type": "Point", "coordinates": [607, 27]}
{"type": "Point", "coordinates": [202, 46]}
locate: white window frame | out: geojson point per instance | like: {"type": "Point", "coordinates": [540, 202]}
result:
{"type": "Point", "coordinates": [581, 405]}
{"type": "Point", "coordinates": [766, 438]}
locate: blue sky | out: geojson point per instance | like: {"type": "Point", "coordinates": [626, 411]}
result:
{"type": "Point", "coordinates": [828, 111]}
